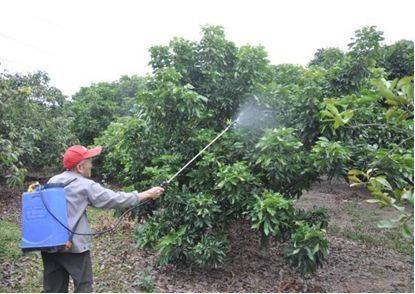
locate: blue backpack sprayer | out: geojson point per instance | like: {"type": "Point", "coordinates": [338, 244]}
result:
{"type": "Point", "coordinates": [44, 217]}
{"type": "Point", "coordinates": [39, 228]}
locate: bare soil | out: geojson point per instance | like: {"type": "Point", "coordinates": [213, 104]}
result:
{"type": "Point", "coordinates": [362, 258]}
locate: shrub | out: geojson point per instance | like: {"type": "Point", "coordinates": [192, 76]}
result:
{"type": "Point", "coordinates": [210, 250]}
{"type": "Point", "coordinates": [146, 282]}
{"type": "Point", "coordinates": [96, 106]}
{"type": "Point", "coordinates": [171, 246]}
{"type": "Point", "coordinates": [34, 125]}
{"type": "Point", "coordinates": [181, 109]}
{"type": "Point", "coordinates": [272, 214]}
{"type": "Point", "coordinates": [283, 162]}
{"type": "Point", "coordinates": [308, 248]}
{"type": "Point", "coordinates": [330, 158]}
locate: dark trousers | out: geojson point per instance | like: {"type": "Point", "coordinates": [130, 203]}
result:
{"type": "Point", "coordinates": [57, 267]}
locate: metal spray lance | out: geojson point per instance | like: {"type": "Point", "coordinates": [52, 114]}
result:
{"type": "Point", "coordinates": [165, 183]}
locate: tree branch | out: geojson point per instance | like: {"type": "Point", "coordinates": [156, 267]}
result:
{"type": "Point", "coordinates": [391, 151]}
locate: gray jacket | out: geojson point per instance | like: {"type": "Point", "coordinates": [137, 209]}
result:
{"type": "Point", "coordinates": [83, 192]}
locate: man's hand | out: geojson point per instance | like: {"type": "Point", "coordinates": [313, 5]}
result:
{"type": "Point", "coordinates": [152, 193]}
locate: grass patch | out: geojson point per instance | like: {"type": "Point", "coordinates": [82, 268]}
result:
{"type": "Point", "coordinates": [19, 272]}
{"type": "Point", "coordinates": [361, 215]}
{"type": "Point", "coordinates": [364, 229]}
{"type": "Point", "coordinates": [9, 241]}
{"type": "Point", "coordinates": [94, 214]}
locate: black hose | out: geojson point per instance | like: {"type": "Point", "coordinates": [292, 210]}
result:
{"type": "Point", "coordinates": [96, 233]}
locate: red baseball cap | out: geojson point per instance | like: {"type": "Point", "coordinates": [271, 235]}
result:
{"type": "Point", "coordinates": [75, 154]}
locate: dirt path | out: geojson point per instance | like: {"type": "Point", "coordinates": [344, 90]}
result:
{"type": "Point", "coordinates": [362, 258]}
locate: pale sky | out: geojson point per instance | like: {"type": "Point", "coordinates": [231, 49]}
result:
{"type": "Point", "coordinates": [82, 42]}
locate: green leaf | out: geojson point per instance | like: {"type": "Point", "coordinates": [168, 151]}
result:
{"type": "Point", "coordinates": [390, 112]}
{"type": "Point", "coordinates": [409, 196]}
{"type": "Point", "coordinates": [266, 228]}
{"type": "Point", "coordinates": [332, 109]}
{"type": "Point", "coordinates": [385, 224]}
{"type": "Point", "coordinates": [384, 182]}
{"type": "Point", "coordinates": [271, 211]}
{"type": "Point", "coordinates": [347, 115]}
{"type": "Point", "coordinates": [256, 225]}
{"type": "Point", "coordinates": [295, 251]}
{"type": "Point", "coordinates": [316, 248]}
{"type": "Point", "coordinates": [356, 172]}
{"type": "Point", "coordinates": [384, 91]}
{"type": "Point", "coordinates": [310, 254]}
{"type": "Point", "coordinates": [337, 122]}
{"type": "Point", "coordinates": [367, 99]}
{"type": "Point", "coordinates": [400, 208]}
{"type": "Point", "coordinates": [407, 232]}
{"type": "Point", "coordinates": [372, 201]}
{"type": "Point", "coordinates": [404, 81]}
{"type": "Point", "coordinates": [326, 113]}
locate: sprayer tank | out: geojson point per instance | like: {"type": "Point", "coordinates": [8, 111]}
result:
{"type": "Point", "coordinates": [39, 229]}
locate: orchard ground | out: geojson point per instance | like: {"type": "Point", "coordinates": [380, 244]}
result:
{"type": "Point", "coordinates": [362, 257]}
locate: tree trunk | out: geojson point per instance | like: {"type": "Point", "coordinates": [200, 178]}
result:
{"type": "Point", "coordinates": [264, 243]}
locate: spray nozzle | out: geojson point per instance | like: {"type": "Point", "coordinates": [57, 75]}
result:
{"type": "Point", "coordinates": [235, 122]}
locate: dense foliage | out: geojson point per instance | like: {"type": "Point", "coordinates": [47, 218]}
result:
{"type": "Point", "coordinates": [272, 214]}
{"type": "Point", "coordinates": [179, 114]}
{"type": "Point", "coordinates": [307, 249]}
{"type": "Point", "coordinates": [34, 125]}
{"type": "Point", "coordinates": [95, 107]}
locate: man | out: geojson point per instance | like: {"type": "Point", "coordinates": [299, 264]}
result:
{"type": "Point", "coordinates": [81, 192]}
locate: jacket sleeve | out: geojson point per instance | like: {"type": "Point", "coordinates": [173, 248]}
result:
{"type": "Point", "coordinates": [101, 197]}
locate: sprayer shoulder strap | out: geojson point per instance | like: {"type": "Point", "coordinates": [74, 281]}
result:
{"type": "Point", "coordinates": [73, 231]}
{"type": "Point", "coordinates": [70, 181]}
